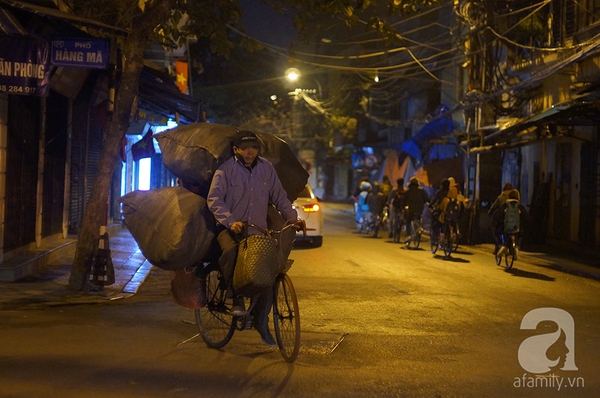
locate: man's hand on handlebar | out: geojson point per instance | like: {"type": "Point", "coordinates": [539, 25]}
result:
{"type": "Point", "coordinates": [237, 227]}
{"type": "Point", "coordinates": [300, 225]}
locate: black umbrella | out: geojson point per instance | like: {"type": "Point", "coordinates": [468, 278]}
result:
{"type": "Point", "coordinates": [194, 152]}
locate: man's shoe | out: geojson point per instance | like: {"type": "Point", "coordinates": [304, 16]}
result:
{"type": "Point", "coordinates": [266, 336]}
{"type": "Point", "coordinates": [238, 308]}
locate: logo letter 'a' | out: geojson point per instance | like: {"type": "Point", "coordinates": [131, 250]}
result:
{"type": "Point", "coordinates": [532, 351]}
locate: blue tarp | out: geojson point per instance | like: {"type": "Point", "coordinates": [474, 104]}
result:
{"type": "Point", "coordinates": [441, 125]}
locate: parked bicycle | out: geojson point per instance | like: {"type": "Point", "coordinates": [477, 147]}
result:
{"type": "Point", "coordinates": [509, 250]}
{"type": "Point", "coordinates": [217, 325]}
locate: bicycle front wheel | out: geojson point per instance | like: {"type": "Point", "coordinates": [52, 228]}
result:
{"type": "Point", "coordinates": [498, 257]}
{"type": "Point", "coordinates": [214, 321]}
{"type": "Point", "coordinates": [286, 318]}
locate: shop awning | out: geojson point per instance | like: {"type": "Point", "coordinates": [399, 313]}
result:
{"type": "Point", "coordinates": [9, 25]}
{"type": "Point", "coordinates": [582, 110]}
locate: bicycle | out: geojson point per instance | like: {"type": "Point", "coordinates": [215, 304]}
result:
{"type": "Point", "coordinates": [415, 232]}
{"type": "Point", "coordinates": [217, 325]}
{"type": "Point", "coordinates": [446, 240]}
{"type": "Point", "coordinates": [381, 222]}
{"type": "Point", "coordinates": [509, 249]}
{"type": "Point", "coordinates": [397, 223]}
{"type": "Point", "coordinates": [434, 237]}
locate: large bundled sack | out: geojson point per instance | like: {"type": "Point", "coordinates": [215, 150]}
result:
{"type": "Point", "coordinates": [172, 226]}
{"type": "Point", "coordinates": [193, 153]}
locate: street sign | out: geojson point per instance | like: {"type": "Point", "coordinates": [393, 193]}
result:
{"type": "Point", "coordinates": [79, 52]}
{"type": "Point", "coordinates": [24, 66]}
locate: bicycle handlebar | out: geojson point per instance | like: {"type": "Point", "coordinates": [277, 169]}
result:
{"type": "Point", "coordinates": [269, 232]}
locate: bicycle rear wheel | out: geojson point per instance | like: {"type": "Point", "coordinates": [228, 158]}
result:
{"type": "Point", "coordinates": [214, 322]}
{"type": "Point", "coordinates": [396, 229]}
{"type": "Point", "coordinates": [455, 247]}
{"type": "Point", "coordinates": [286, 318]}
{"type": "Point", "coordinates": [415, 235]}
{"type": "Point", "coordinates": [511, 253]}
{"type": "Point", "coordinates": [449, 244]}
{"type": "Point", "coordinates": [434, 240]}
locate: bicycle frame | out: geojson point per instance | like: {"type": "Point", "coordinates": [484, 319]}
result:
{"type": "Point", "coordinates": [217, 325]}
{"type": "Point", "coordinates": [509, 249]}
{"type": "Point", "coordinates": [415, 231]}
{"type": "Point", "coordinates": [450, 237]}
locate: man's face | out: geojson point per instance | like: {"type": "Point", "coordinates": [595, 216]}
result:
{"type": "Point", "coordinates": [248, 152]}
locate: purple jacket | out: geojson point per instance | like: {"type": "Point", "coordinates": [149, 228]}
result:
{"type": "Point", "coordinates": [236, 194]}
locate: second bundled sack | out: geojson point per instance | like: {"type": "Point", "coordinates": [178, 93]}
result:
{"type": "Point", "coordinates": [169, 225]}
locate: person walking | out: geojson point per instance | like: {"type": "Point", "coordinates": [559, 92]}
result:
{"type": "Point", "coordinates": [240, 193]}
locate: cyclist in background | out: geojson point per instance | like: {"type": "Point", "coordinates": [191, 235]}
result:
{"type": "Point", "coordinates": [394, 204]}
{"type": "Point", "coordinates": [434, 206]}
{"type": "Point", "coordinates": [415, 198]}
{"type": "Point", "coordinates": [386, 186]}
{"type": "Point", "coordinates": [362, 208]}
{"type": "Point", "coordinates": [497, 225]}
{"type": "Point", "coordinates": [511, 216]}
{"type": "Point", "coordinates": [376, 202]}
{"type": "Point", "coordinates": [452, 206]}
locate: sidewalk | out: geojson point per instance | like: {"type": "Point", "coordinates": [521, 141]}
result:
{"type": "Point", "coordinates": [48, 286]}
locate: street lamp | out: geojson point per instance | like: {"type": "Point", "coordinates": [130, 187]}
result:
{"type": "Point", "coordinates": [307, 153]}
{"type": "Point", "coordinates": [292, 74]}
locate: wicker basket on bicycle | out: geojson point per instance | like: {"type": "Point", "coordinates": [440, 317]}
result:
{"type": "Point", "coordinates": [256, 266]}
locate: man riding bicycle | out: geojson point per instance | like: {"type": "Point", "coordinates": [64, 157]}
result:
{"type": "Point", "coordinates": [394, 204]}
{"type": "Point", "coordinates": [240, 193]}
{"type": "Point", "coordinates": [414, 199]}
{"type": "Point", "coordinates": [434, 206]}
{"type": "Point", "coordinates": [510, 216]}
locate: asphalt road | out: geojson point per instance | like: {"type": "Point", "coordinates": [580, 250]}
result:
{"type": "Point", "coordinates": [377, 320]}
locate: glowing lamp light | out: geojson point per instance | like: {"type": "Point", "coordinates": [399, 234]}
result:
{"type": "Point", "coordinates": [312, 208]}
{"type": "Point", "coordinates": [292, 74]}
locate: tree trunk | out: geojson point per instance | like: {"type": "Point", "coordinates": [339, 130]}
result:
{"type": "Point", "coordinates": [133, 55]}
